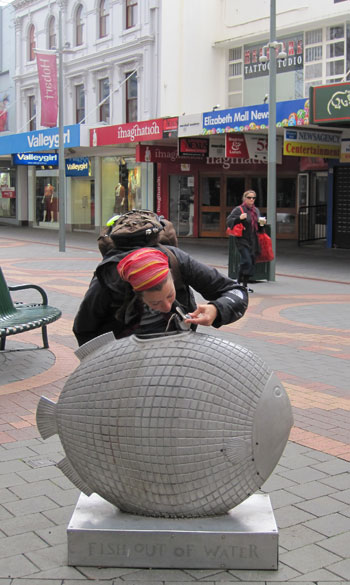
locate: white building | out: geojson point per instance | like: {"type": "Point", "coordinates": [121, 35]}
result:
{"type": "Point", "coordinates": [135, 60]}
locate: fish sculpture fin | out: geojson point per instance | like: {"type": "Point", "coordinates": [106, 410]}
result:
{"type": "Point", "coordinates": [93, 344]}
{"type": "Point", "coordinates": [46, 417]}
{"type": "Point", "coordinates": [66, 467]}
{"type": "Point", "coordinates": [237, 449]}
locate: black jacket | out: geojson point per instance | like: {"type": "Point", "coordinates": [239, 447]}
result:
{"type": "Point", "coordinates": [249, 237]}
{"type": "Point", "coordinates": [110, 304]}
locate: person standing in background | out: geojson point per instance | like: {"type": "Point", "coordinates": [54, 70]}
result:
{"type": "Point", "coordinates": [247, 244]}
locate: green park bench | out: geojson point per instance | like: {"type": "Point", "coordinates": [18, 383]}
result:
{"type": "Point", "coordinates": [17, 317]}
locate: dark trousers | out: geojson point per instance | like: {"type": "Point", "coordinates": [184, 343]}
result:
{"type": "Point", "coordinates": [246, 264]}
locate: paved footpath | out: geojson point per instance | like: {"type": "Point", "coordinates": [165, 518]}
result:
{"type": "Point", "coordinates": [299, 324]}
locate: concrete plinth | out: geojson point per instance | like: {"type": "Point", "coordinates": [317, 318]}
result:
{"type": "Point", "coordinates": [99, 534]}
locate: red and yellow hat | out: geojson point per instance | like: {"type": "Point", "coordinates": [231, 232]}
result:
{"type": "Point", "coordinates": [144, 268]}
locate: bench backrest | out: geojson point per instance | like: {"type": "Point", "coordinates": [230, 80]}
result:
{"type": "Point", "coordinates": [6, 304]}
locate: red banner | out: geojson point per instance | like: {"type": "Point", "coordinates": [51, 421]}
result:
{"type": "Point", "coordinates": [47, 71]}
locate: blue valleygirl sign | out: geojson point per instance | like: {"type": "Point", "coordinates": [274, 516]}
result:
{"type": "Point", "coordinates": [288, 113]}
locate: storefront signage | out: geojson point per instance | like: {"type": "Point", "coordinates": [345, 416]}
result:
{"type": "Point", "coordinates": [193, 147]}
{"type": "Point", "coordinates": [37, 159]}
{"type": "Point", "coordinates": [158, 154]}
{"type": "Point", "coordinates": [288, 113]}
{"type": "Point", "coordinates": [132, 132]}
{"type": "Point", "coordinates": [47, 139]}
{"type": "Point", "coordinates": [217, 145]}
{"type": "Point", "coordinates": [170, 126]}
{"type": "Point", "coordinates": [253, 146]}
{"type": "Point", "coordinates": [77, 167]}
{"type": "Point", "coordinates": [345, 150]}
{"type": "Point", "coordinates": [311, 143]}
{"type": "Point", "coordinates": [330, 103]}
{"type": "Point", "coordinates": [8, 192]}
{"type": "Point", "coordinates": [293, 46]}
{"type": "Point", "coordinates": [191, 125]}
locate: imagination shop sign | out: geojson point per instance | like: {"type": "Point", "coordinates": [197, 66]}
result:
{"type": "Point", "coordinates": [132, 132]}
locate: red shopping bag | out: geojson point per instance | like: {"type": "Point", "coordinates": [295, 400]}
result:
{"type": "Point", "coordinates": [266, 252]}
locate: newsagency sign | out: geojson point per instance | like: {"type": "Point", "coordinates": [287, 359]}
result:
{"type": "Point", "coordinates": [330, 104]}
{"type": "Point", "coordinates": [311, 143]}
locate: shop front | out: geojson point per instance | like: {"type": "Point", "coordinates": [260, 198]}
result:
{"type": "Point", "coordinates": [32, 180]}
{"type": "Point", "coordinates": [125, 182]}
{"type": "Point", "coordinates": [198, 195]}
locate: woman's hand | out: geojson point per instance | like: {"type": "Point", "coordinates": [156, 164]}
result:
{"type": "Point", "coordinates": [243, 216]}
{"type": "Point", "coordinates": [203, 315]}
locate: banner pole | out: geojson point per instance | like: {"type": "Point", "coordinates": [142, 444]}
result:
{"type": "Point", "coordinates": [61, 167]}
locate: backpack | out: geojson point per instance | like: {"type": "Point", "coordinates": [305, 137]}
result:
{"type": "Point", "coordinates": [141, 227]}
{"type": "Point", "coordinates": [138, 227]}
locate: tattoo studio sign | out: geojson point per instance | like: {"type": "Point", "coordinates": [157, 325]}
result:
{"type": "Point", "coordinates": [293, 46]}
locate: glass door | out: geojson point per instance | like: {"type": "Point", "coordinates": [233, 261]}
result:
{"type": "Point", "coordinates": [181, 203]}
{"type": "Point", "coordinates": [219, 195]}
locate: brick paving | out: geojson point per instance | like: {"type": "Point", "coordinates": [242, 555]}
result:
{"type": "Point", "coordinates": [299, 324]}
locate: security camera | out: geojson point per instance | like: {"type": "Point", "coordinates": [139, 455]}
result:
{"type": "Point", "coordinates": [282, 55]}
{"type": "Point", "coordinates": [263, 59]}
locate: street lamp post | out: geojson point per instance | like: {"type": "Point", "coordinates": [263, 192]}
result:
{"type": "Point", "coordinates": [271, 153]}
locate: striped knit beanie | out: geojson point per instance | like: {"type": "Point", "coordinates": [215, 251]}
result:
{"type": "Point", "coordinates": [144, 268]}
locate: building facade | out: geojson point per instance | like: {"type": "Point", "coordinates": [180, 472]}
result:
{"type": "Point", "coordinates": [126, 62]}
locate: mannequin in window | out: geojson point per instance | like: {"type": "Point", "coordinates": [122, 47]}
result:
{"type": "Point", "coordinates": [47, 201]}
{"type": "Point", "coordinates": [119, 203]}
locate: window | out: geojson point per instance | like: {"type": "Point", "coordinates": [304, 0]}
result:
{"type": "Point", "coordinates": [79, 103]}
{"type": "Point", "coordinates": [52, 34]}
{"type": "Point", "coordinates": [79, 26]}
{"type": "Point", "coordinates": [31, 113]}
{"type": "Point", "coordinates": [235, 77]}
{"type": "Point", "coordinates": [31, 43]}
{"type": "Point", "coordinates": [103, 19]}
{"type": "Point", "coordinates": [104, 97]}
{"type": "Point", "coordinates": [324, 56]}
{"type": "Point", "coordinates": [131, 10]}
{"type": "Point", "coordinates": [131, 97]}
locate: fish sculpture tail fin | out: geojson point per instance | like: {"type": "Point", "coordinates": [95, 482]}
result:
{"type": "Point", "coordinates": [46, 418]}
{"type": "Point", "coordinates": [90, 346]}
{"type": "Point", "coordinates": [65, 466]}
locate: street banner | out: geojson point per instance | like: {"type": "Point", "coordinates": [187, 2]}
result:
{"type": "Point", "coordinates": [47, 72]}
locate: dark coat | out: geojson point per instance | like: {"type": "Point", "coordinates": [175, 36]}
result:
{"type": "Point", "coordinates": [249, 237]}
{"type": "Point", "coordinates": [110, 304]}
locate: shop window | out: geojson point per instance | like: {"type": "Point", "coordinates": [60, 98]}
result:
{"type": "Point", "coordinates": [324, 56]}
{"type": "Point", "coordinates": [131, 97]}
{"type": "Point", "coordinates": [104, 100]}
{"type": "Point", "coordinates": [7, 192]}
{"type": "Point", "coordinates": [31, 113]}
{"type": "Point", "coordinates": [103, 19]}
{"type": "Point", "coordinates": [79, 26]}
{"type": "Point", "coordinates": [131, 13]}
{"type": "Point", "coordinates": [79, 103]}
{"type": "Point", "coordinates": [211, 191]}
{"type": "Point", "coordinates": [51, 44]}
{"type": "Point", "coordinates": [31, 43]}
{"type": "Point", "coordinates": [235, 76]}
{"type": "Point", "coordinates": [234, 191]}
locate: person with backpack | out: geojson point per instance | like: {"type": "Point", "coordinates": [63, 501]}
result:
{"type": "Point", "coordinates": [142, 286]}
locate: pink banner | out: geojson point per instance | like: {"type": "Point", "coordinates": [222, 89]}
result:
{"type": "Point", "coordinates": [47, 71]}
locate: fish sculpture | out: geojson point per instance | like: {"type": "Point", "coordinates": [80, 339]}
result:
{"type": "Point", "coordinates": [171, 425]}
